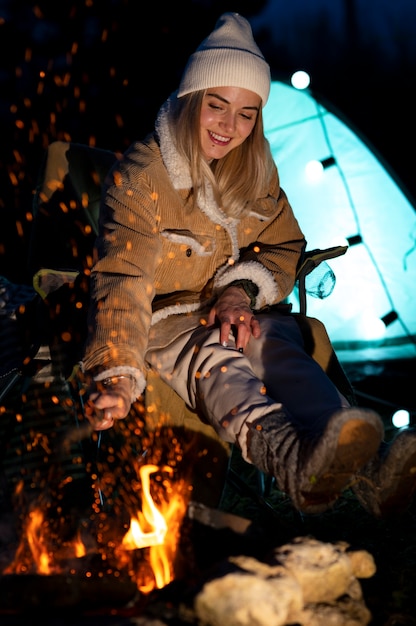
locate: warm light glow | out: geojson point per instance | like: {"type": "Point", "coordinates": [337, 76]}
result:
{"type": "Point", "coordinates": [314, 170]}
{"type": "Point", "coordinates": [371, 326]}
{"type": "Point", "coordinates": [79, 548]}
{"type": "Point", "coordinates": [400, 418]}
{"type": "Point", "coordinates": [300, 79]}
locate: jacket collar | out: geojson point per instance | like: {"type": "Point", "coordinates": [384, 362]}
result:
{"type": "Point", "coordinates": [179, 172]}
{"type": "Point", "coordinates": [175, 164]}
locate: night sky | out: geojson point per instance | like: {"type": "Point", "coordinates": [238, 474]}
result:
{"type": "Point", "coordinates": [96, 72]}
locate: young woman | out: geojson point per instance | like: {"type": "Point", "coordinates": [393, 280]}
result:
{"type": "Point", "coordinates": [197, 251]}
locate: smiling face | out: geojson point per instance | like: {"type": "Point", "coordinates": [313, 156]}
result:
{"type": "Point", "coordinates": [228, 116]}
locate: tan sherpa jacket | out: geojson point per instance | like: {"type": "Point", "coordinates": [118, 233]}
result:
{"type": "Point", "coordinates": [159, 261]}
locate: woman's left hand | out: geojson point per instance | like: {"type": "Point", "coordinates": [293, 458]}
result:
{"type": "Point", "coordinates": [232, 310]}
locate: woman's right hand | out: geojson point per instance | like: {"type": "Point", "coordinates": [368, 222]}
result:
{"type": "Point", "coordinates": [108, 401]}
{"type": "Point", "coordinates": [232, 310]}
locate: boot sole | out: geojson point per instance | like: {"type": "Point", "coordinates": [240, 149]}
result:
{"type": "Point", "coordinates": [358, 442]}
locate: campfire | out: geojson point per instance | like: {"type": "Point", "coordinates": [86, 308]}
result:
{"type": "Point", "coordinates": [304, 582]}
{"type": "Point", "coordinates": [153, 531]}
{"type": "Point", "coordinates": [143, 546]}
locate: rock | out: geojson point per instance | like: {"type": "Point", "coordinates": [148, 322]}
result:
{"type": "Point", "coordinates": [308, 582]}
{"type": "Point", "coordinates": [345, 612]}
{"type": "Point", "coordinates": [244, 599]}
{"type": "Point", "coordinates": [323, 570]}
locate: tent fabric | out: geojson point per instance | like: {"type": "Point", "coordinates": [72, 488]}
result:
{"type": "Point", "coordinates": [353, 200]}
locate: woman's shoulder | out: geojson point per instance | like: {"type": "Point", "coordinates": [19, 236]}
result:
{"type": "Point", "coordinates": [146, 149]}
{"type": "Point", "coordinates": [141, 165]}
{"type": "Point", "coordinates": [141, 157]}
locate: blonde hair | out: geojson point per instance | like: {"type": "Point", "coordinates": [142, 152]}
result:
{"type": "Point", "coordinates": [241, 177]}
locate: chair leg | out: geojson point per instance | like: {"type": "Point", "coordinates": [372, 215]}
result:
{"type": "Point", "coordinates": [265, 483]}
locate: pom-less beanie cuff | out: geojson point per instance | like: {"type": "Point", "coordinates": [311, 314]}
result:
{"type": "Point", "coordinates": [228, 57]}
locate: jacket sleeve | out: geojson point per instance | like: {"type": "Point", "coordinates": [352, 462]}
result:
{"type": "Point", "coordinates": [122, 279]}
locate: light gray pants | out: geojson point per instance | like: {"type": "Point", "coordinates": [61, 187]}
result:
{"type": "Point", "coordinates": [231, 389]}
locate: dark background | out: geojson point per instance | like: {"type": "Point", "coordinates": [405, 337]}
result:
{"type": "Point", "coordinates": [96, 72]}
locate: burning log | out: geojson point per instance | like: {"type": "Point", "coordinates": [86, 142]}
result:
{"type": "Point", "coordinates": [307, 582]}
{"type": "Point", "coordinates": [36, 593]}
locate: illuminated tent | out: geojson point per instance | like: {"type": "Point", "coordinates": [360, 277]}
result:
{"type": "Point", "coordinates": [342, 193]}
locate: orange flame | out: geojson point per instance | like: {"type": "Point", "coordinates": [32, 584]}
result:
{"type": "Point", "coordinates": [37, 543]}
{"type": "Point", "coordinates": [79, 547]}
{"type": "Point", "coordinates": [32, 549]}
{"type": "Point", "coordinates": [155, 527]}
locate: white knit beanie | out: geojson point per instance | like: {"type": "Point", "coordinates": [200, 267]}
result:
{"type": "Point", "coordinates": [228, 57]}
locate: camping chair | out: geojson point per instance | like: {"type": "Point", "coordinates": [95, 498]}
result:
{"type": "Point", "coordinates": [66, 207]}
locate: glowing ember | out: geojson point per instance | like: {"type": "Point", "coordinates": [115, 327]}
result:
{"type": "Point", "coordinates": [79, 548]}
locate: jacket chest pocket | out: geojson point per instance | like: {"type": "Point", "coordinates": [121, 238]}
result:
{"type": "Point", "coordinates": [187, 260]}
{"type": "Point", "coordinates": [184, 244]}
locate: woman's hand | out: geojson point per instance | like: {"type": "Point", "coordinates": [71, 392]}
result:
{"type": "Point", "coordinates": [108, 401]}
{"type": "Point", "coordinates": [232, 310]}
